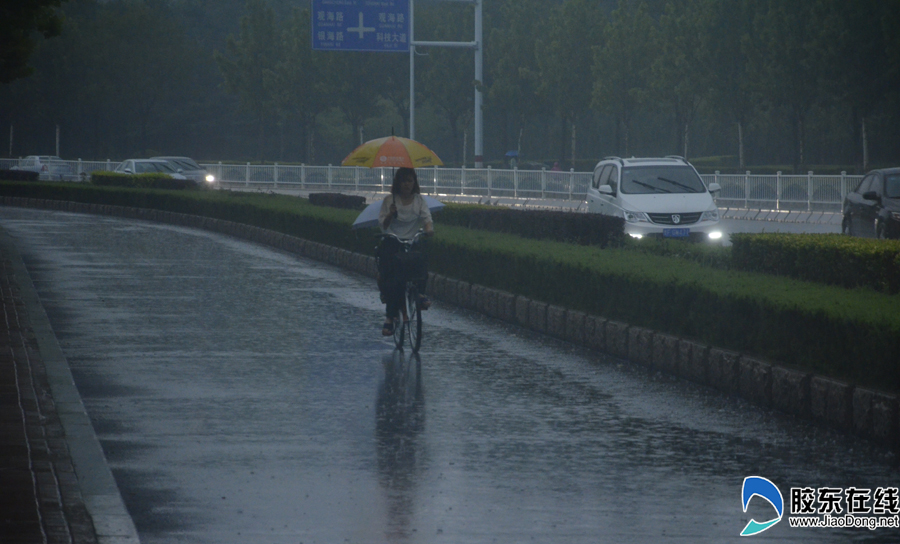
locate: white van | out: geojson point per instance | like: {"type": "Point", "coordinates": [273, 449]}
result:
{"type": "Point", "coordinates": [662, 197]}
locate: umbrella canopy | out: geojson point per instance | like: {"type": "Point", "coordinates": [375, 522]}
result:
{"type": "Point", "coordinates": [392, 152]}
{"type": "Point", "coordinates": [369, 216]}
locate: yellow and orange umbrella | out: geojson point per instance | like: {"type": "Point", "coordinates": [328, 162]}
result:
{"type": "Point", "coordinates": [392, 152]}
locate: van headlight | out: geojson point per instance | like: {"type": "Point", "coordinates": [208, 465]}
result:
{"type": "Point", "coordinates": [210, 178]}
{"type": "Point", "coordinates": [636, 217]}
{"type": "Point", "coordinates": [710, 215]}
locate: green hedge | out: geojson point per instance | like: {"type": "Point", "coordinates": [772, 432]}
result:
{"type": "Point", "coordinates": [851, 334]}
{"type": "Point", "coordinates": [19, 175]}
{"type": "Point", "coordinates": [833, 259]}
{"type": "Point", "coordinates": [577, 228]}
{"type": "Point", "coordinates": [141, 181]}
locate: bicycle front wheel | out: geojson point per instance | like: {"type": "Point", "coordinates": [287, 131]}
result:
{"type": "Point", "coordinates": [415, 317]}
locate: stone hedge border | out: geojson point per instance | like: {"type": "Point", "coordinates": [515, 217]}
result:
{"type": "Point", "coordinates": [860, 411]}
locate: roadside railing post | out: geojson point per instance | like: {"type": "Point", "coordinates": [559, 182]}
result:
{"type": "Point", "coordinates": [328, 179]}
{"type": "Point", "coordinates": [543, 181]}
{"type": "Point", "coordinates": [275, 174]}
{"type": "Point", "coordinates": [809, 190]}
{"type": "Point", "coordinates": [747, 190]}
{"type": "Point", "coordinates": [571, 181]}
{"type": "Point", "coordinates": [489, 182]}
{"type": "Point", "coordinates": [516, 182]}
{"type": "Point", "coordinates": [778, 191]}
{"type": "Point", "coordinates": [247, 176]}
{"type": "Point", "coordinates": [843, 185]}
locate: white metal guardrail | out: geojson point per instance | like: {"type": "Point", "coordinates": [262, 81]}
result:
{"type": "Point", "coordinates": [810, 192]}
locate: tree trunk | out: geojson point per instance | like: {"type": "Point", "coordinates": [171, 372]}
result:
{"type": "Point", "coordinates": [741, 161]}
{"type": "Point", "coordinates": [519, 143]}
{"type": "Point", "coordinates": [562, 139]}
{"type": "Point", "coordinates": [865, 146]}
{"type": "Point", "coordinates": [686, 137]}
{"type": "Point", "coordinates": [573, 143]}
{"type": "Point", "coordinates": [618, 135]}
{"type": "Point", "coordinates": [465, 144]}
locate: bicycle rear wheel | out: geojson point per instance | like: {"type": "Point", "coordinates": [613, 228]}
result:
{"type": "Point", "coordinates": [415, 317]}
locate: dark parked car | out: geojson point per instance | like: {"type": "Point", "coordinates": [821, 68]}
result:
{"type": "Point", "coordinates": [873, 208]}
{"type": "Point", "coordinates": [190, 169]}
{"type": "Point", "coordinates": [148, 166]}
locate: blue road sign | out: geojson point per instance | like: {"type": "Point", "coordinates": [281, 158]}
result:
{"type": "Point", "coordinates": [360, 25]}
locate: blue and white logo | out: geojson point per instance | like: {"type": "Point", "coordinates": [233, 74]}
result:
{"type": "Point", "coordinates": [761, 487]}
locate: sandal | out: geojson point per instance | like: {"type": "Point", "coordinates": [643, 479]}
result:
{"type": "Point", "coordinates": [387, 329]}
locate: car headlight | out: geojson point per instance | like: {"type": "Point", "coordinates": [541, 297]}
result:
{"type": "Point", "coordinates": [210, 178]}
{"type": "Point", "coordinates": [636, 217]}
{"type": "Point", "coordinates": [710, 215]}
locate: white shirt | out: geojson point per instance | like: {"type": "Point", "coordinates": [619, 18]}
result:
{"type": "Point", "coordinates": [410, 217]}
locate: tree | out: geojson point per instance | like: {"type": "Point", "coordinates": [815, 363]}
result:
{"type": "Point", "coordinates": [726, 30]}
{"type": "Point", "coordinates": [512, 73]}
{"type": "Point", "coordinates": [296, 83]}
{"type": "Point", "coordinates": [680, 75]}
{"type": "Point", "coordinates": [354, 85]}
{"type": "Point", "coordinates": [861, 73]}
{"type": "Point", "coordinates": [622, 66]}
{"type": "Point", "coordinates": [249, 58]}
{"type": "Point", "coordinates": [564, 59]}
{"type": "Point", "coordinates": [18, 23]}
{"type": "Point", "coordinates": [792, 60]}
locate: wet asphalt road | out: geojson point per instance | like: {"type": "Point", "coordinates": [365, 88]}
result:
{"type": "Point", "coordinates": [242, 394]}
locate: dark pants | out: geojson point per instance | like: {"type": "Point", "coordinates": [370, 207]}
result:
{"type": "Point", "coordinates": [392, 278]}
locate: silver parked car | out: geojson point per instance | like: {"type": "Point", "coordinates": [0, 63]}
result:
{"type": "Point", "coordinates": [48, 167]}
{"type": "Point", "coordinates": [148, 166]}
{"type": "Point", "coordinates": [190, 169]}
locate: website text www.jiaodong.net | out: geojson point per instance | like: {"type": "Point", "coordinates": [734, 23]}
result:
{"type": "Point", "coordinates": [827, 521]}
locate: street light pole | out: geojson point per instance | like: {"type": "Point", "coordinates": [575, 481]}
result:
{"type": "Point", "coordinates": [412, 75]}
{"type": "Point", "coordinates": [479, 57]}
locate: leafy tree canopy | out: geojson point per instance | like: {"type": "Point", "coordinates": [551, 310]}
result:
{"type": "Point", "coordinates": [19, 22]}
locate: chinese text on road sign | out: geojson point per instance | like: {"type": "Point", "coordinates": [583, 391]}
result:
{"type": "Point", "coordinates": [360, 25]}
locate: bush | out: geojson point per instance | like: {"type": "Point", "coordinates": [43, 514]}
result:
{"type": "Point", "coordinates": [338, 200]}
{"type": "Point", "coordinates": [577, 228]}
{"type": "Point", "coordinates": [832, 259]}
{"type": "Point", "coordinates": [140, 181]}
{"type": "Point", "coordinates": [18, 175]}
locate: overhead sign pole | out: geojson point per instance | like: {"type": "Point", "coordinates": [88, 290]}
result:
{"type": "Point", "coordinates": [387, 26]}
{"type": "Point", "coordinates": [477, 46]}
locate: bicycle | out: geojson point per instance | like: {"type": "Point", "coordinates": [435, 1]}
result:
{"type": "Point", "coordinates": [411, 270]}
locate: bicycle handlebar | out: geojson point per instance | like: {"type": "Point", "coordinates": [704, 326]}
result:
{"type": "Point", "coordinates": [401, 240]}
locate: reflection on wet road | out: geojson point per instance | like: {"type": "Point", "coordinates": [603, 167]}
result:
{"type": "Point", "coordinates": [244, 395]}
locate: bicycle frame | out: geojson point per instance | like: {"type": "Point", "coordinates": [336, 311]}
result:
{"type": "Point", "coordinates": [409, 324]}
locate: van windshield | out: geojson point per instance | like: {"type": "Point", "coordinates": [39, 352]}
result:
{"type": "Point", "coordinates": [637, 180]}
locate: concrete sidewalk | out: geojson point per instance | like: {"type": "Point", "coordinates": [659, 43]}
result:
{"type": "Point", "coordinates": [57, 486]}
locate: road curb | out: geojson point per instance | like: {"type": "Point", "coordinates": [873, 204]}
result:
{"type": "Point", "coordinates": [112, 524]}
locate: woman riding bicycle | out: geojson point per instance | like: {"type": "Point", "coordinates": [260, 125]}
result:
{"type": "Point", "coordinates": [403, 213]}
